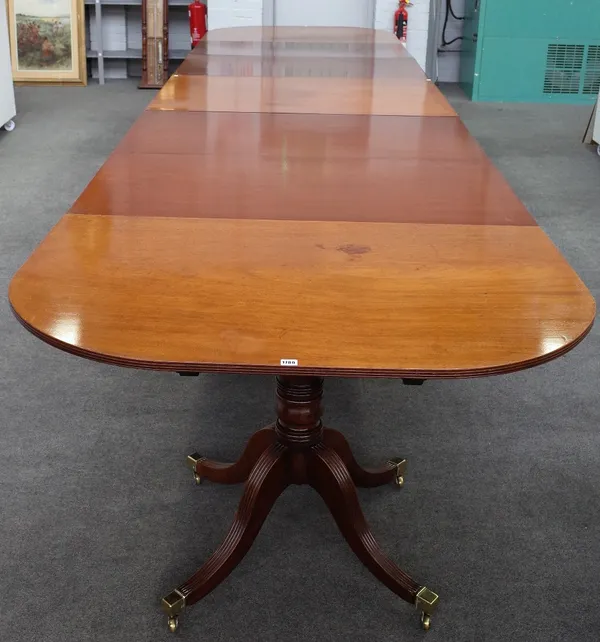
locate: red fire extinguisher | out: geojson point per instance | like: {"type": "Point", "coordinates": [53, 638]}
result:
{"type": "Point", "coordinates": [198, 22]}
{"type": "Point", "coordinates": [401, 19]}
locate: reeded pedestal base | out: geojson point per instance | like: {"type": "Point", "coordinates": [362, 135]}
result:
{"type": "Point", "coordinates": [298, 450]}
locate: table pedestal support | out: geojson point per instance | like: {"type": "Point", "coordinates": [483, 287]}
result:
{"type": "Point", "coordinates": [297, 449]}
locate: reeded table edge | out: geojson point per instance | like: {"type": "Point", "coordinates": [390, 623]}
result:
{"type": "Point", "coordinates": [234, 368]}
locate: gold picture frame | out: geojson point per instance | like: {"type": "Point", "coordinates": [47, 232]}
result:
{"type": "Point", "coordinates": [47, 41]}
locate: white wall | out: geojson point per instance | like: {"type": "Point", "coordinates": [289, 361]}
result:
{"type": "Point", "coordinates": [234, 13]}
{"type": "Point", "coordinates": [332, 13]}
{"type": "Point", "coordinates": [418, 25]}
{"type": "Point", "coordinates": [240, 13]}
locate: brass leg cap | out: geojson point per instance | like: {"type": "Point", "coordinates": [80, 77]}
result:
{"type": "Point", "coordinates": [192, 461]}
{"type": "Point", "coordinates": [172, 605]}
{"type": "Point", "coordinates": [426, 601]}
{"type": "Point", "coordinates": [400, 465]}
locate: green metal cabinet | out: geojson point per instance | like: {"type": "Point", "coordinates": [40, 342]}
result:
{"type": "Point", "coordinates": [531, 50]}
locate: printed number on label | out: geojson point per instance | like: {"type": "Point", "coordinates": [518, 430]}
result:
{"type": "Point", "coordinates": [289, 362]}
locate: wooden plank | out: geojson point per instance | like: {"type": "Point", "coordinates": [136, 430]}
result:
{"type": "Point", "coordinates": [348, 299]}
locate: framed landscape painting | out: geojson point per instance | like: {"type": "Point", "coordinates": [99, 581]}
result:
{"type": "Point", "coordinates": [47, 41]}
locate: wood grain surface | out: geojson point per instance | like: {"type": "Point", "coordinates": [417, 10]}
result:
{"type": "Point", "coordinates": [284, 64]}
{"type": "Point", "coordinates": [376, 53]}
{"type": "Point", "coordinates": [346, 298]}
{"type": "Point", "coordinates": [271, 166]}
{"type": "Point", "coordinates": [368, 96]}
{"type": "Point", "coordinates": [348, 222]}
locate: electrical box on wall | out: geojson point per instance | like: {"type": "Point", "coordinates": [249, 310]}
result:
{"type": "Point", "coordinates": [533, 51]}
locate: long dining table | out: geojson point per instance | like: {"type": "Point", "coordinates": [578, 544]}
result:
{"type": "Point", "coordinates": [304, 203]}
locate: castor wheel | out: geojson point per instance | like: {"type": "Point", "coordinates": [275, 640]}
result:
{"type": "Point", "coordinates": [400, 465]}
{"type": "Point", "coordinates": [425, 621]}
{"type": "Point", "coordinates": [10, 125]}
{"type": "Point", "coordinates": [192, 462]}
{"type": "Point", "coordinates": [173, 604]}
{"type": "Point", "coordinates": [426, 602]}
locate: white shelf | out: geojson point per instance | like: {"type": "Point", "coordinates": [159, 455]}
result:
{"type": "Point", "coordinates": [120, 54]}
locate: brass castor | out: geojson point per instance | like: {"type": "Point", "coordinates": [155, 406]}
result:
{"type": "Point", "coordinates": [426, 602]}
{"type": "Point", "coordinates": [173, 604]}
{"type": "Point", "coordinates": [192, 462]}
{"type": "Point", "coordinates": [400, 465]}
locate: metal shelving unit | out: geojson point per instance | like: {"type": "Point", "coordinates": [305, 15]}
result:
{"type": "Point", "coordinates": [100, 53]}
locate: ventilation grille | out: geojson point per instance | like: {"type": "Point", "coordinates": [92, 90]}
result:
{"type": "Point", "coordinates": [591, 80]}
{"type": "Point", "coordinates": [564, 67]}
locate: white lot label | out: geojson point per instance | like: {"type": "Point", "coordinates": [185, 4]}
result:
{"type": "Point", "coordinates": [289, 362]}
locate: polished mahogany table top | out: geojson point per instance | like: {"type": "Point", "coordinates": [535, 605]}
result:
{"type": "Point", "coordinates": [302, 194]}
